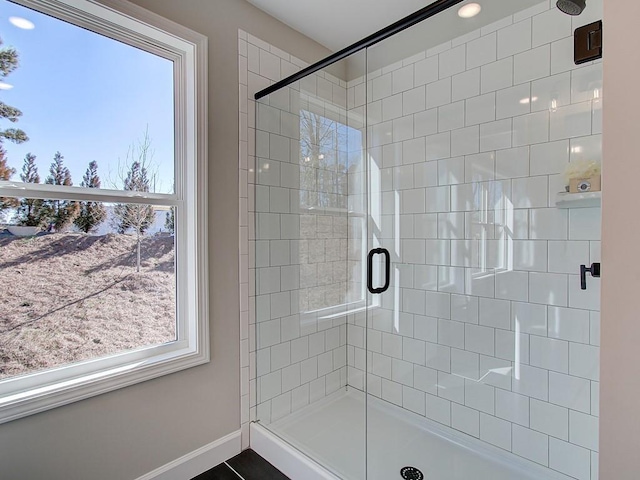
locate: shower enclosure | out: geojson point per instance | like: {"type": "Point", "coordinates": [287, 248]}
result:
{"type": "Point", "coordinates": [417, 259]}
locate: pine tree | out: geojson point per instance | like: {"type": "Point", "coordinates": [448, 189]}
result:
{"type": "Point", "coordinates": [30, 170]}
{"type": "Point", "coordinates": [8, 63]}
{"type": "Point", "coordinates": [6, 172]}
{"type": "Point", "coordinates": [31, 212]}
{"type": "Point", "coordinates": [91, 214]}
{"type": "Point", "coordinates": [134, 216]}
{"type": "Point", "coordinates": [62, 212]}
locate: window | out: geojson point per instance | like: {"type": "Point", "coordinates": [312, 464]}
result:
{"type": "Point", "coordinates": [103, 251]}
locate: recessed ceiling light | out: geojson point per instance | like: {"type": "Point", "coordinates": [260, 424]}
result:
{"type": "Point", "coordinates": [21, 23]}
{"type": "Point", "coordinates": [469, 10]}
{"type": "Point", "coordinates": [5, 86]}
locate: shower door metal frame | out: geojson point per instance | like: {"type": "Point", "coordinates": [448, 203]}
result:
{"type": "Point", "coordinates": [410, 20]}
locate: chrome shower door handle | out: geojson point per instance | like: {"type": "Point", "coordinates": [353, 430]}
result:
{"type": "Point", "coordinates": [594, 270]}
{"type": "Point", "coordinates": [387, 268]}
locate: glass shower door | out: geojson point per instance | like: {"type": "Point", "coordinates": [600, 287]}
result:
{"type": "Point", "coordinates": [417, 255]}
{"type": "Point", "coordinates": [483, 337]}
{"type": "Point", "coordinates": [310, 238]}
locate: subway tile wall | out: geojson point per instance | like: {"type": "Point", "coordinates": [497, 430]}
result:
{"type": "Point", "coordinates": [485, 328]}
{"type": "Point", "coordinates": [298, 271]}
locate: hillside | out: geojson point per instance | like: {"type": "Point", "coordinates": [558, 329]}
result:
{"type": "Point", "coordinates": [69, 297]}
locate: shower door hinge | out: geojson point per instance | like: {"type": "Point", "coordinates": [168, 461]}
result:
{"type": "Point", "coordinates": [588, 43]}
{"type": "Point", "coordinates": [594, 270]}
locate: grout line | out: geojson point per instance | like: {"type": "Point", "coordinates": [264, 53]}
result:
{"type": "Point", "coordinates": [234, 471]}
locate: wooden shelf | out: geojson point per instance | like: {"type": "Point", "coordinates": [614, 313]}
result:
{"type": "Point", "coordinates": [578, 200]}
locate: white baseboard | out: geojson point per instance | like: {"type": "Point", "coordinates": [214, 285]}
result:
{"type": "Point", "coordinates": [198, 461]}
{"type": "Point", "coordinates": [284, 457]}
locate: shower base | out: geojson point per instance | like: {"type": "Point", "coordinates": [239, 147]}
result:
{"type": "Point", "coordinates": [328, 437]}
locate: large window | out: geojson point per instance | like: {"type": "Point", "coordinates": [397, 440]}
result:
{"type": "Point", "coordinates": [102, 200]}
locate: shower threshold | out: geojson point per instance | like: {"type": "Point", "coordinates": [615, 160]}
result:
{"type": "Point", "coordinates": [330, 435]}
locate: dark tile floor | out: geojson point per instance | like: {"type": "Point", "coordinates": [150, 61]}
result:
{"type": "Point", "coordinates": [248, 466]}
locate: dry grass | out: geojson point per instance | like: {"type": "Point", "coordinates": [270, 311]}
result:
{"type": "Point", "coordinates": [72, 297]}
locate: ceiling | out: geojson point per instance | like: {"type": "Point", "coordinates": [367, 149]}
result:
{"type": "Point", "coordinates": [338, 23]}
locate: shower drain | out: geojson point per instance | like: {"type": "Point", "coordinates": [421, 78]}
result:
{"type": "Point", "coordinates": [411, 473]}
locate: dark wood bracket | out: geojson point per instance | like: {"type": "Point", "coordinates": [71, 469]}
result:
{"type": "Point", "coordinates": [588, 43]}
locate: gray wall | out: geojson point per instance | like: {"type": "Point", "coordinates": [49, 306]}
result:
{"type": "Point", "coordinates": [620, 387]}
{"type": "Point", "coordinates": [129, 432]}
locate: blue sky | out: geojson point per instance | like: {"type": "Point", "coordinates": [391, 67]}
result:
{"type": "Point", "coordinates": [87, 96]}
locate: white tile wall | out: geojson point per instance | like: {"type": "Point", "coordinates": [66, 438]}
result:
{"type": "Point", "coordinates": [495, 431]}
{"type": "Point", "coordinates": [465, 419]}
{"type": "Point", "coordinates": [550, 419]}
{"type": "Point", "coordinates": [491, 337]}
{"type": "Point", "coordinates": [530, 444]}
{"type": "Point", "coordinates": [512, 407]}
{"type": "Point", "coordinates": [502, 341]}
{"type": "Point", "coordinates": [532, 64]}
{"type": "Point", "coordinates": [514, 39]}
{"type": "Point", "coordinates": [569, 459]}
{"type": "Point", "coordinates": [299, 359]}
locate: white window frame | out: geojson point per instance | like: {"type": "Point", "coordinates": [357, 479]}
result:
{"type": "Point", "coordinates": [32, 393]}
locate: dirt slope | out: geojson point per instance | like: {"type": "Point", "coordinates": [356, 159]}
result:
{"type": "Point", "coordinates": [71, 297]}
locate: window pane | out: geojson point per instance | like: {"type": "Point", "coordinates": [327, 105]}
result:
{"type": "Point", "coordinates": [82, 97]}
{"type": "Point", "coordinates": [73, 296]}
